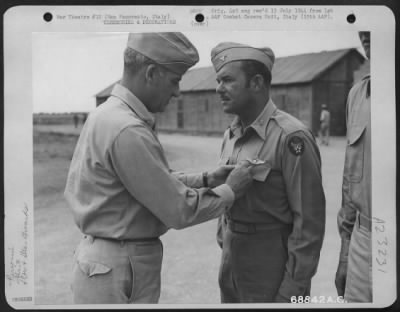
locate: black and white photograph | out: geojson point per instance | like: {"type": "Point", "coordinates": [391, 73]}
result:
{"type": "Point", "coordinates": [204, 167]}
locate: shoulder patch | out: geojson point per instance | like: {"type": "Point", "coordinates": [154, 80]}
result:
{"type": "Point", "coordinates": [296, 145]}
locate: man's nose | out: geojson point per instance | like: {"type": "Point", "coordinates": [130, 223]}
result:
{"type": "Point", "coordinates": [220, 87]}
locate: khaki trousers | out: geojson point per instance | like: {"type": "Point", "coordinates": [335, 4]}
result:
{"type": "Point", "coordinates": [253, 265]}
{"type": "Point", "coordinates": [359, 269]}
{"type": "Point", "coordinates": [111, 272]}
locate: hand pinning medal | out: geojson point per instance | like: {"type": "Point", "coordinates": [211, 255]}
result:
{"type": "Point", "coordinates": [296, 145]}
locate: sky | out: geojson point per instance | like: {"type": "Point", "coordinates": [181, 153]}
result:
{"type": "Point", "coordinates": [70, 68]}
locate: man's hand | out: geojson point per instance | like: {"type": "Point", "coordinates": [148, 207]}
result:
{"type": "Point", "coordinates": [219, 175]}
{"type": "Point", "coordinates": [240, 179]}
{"type": "Point", "coordinates": [340, 279]}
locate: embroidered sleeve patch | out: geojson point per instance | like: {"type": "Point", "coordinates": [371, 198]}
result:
{"type": "Point", "coordinates": [296, 145]}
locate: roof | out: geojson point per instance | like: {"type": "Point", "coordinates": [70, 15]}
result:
{"type": "Point", "coordinates": [305, 67]}
{"type": "Point", "coordinates": [301, 68]}
{"type": "Point", "coordinates": [199, 79]}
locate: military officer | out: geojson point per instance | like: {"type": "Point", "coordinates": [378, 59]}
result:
{"type": "Point", "coordinates": [122, 193]}
{"type": "Point", "coordinates": [271, 237]}
{"type": "Point", "coordinates": [354, 276]}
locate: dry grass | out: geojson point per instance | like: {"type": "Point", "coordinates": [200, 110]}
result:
{"type": "Point", "coordinates": [191, 256]}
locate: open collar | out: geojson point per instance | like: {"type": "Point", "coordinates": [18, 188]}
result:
{"type": "Point", "coordinates": [259, 125]}
{"type": "Point", "coordinates": [134, 104]}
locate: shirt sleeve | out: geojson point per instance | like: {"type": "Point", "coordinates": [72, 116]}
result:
{"type": "Point", "coordinates": [140, 164]}
{"type": "Point", "coordinates": [221, 225]}
{"type": "Point", "coordinates": [347, 214]}
{"type": "Point", "coordinates": [193, 180]}
{"type": "Point", "coordinates": [301, 165]}
{"type": "Point", "coordinates": [346, 219]}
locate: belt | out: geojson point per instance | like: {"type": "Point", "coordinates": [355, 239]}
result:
{"type": "Point", "coordinates": [122, 241]}
{"type": "Point", "coordinates": [251, 228]}
{"type": "Point", "coordinates": [364, 222]}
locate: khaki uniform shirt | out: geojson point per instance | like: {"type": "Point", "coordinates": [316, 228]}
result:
{"type": "Point", "coordinates": [119, 183]}
{"type": "Point", "coordinates": [356, 190]}
{"type": "Point", "coordinates": [287, 188]}
{"type": "Point", "coordinates": [325, 117]}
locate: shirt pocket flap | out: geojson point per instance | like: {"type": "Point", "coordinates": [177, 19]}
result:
{"type": "Point", "coordinates": [93, 268]}
{"type": "Point", "coordinates": [355, 133]}
{"type": "Point", "coordinates": [260, 172]}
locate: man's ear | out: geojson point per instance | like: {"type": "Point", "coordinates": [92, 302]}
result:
{"type": "Point", "coordinates": [257, 82]}
{"type": "Point", "coordinates": [151, 72]}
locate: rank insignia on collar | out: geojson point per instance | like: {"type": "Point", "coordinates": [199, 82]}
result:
{"type": "Point", "coordinates": [296, 145]}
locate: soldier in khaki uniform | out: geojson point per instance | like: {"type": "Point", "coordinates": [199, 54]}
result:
{"type": "Point", "coordinates": [271, 237]}
{"type": "Point", "coordinates": [354, 273]}
{"type": "Point", "coordinates": [324, 128]}
{"type": "Point", "coordinates": [122, 193]}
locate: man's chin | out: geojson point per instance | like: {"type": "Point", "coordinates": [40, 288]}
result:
{"type": "Point", "coordinates": [162, 108]}
{"type": "Point", "coordinates": [226, 108]}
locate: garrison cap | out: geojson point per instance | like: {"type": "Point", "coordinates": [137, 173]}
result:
{"type": "Point", "coordinates": [169, 49]}
{"type": "Point", "coordinates": [227, 52]}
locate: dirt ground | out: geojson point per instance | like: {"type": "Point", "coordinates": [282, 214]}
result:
{"type": "Point", "coordinates": [191, 256]}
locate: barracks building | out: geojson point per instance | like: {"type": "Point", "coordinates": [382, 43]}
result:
{"type": "Point", "coordinates": [300, 85]}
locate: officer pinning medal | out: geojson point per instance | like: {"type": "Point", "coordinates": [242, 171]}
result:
{"type": "Point", "coordinates": [120, 188]}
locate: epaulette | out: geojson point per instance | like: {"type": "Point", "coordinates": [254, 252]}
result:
{"type": "Point", "coordinates": [288, 123]}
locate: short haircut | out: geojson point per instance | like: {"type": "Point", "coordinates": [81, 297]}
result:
{"type": "Point", "coordinates": [252, 68]}
{"type": "Point", "coordinates": [134, 61]}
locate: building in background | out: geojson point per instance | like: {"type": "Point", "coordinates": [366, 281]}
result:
{"type": "Point", "coordinates": [60, 118]}
{"type": "Point", "coordinates": [300, 84]}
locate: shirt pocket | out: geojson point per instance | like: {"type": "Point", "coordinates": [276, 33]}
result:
{"type": "Point", "coordinates": [354, 161]}
{"type": "Point", "coordinates": [260, 172]}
